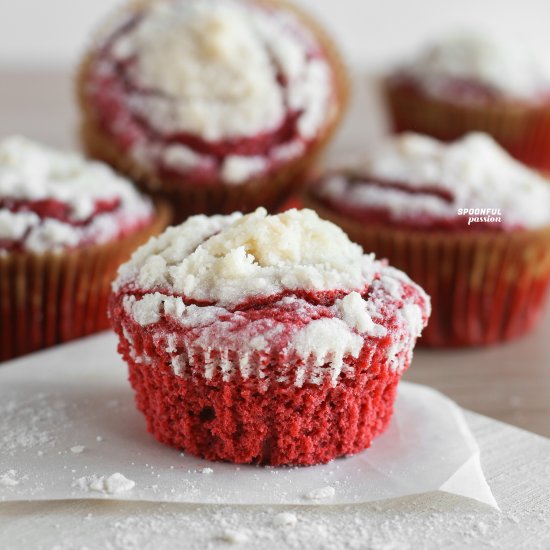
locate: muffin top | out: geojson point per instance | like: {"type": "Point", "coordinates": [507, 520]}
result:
{"type": "Point", "coordinates": [219, 88]}
{"type": "Point", "coordinates": [288, 284]}
{"type": "Point", "coordinates": [416, 181]}
{"type": "Point", "coordinates": [474, 67]}
{"type": "Point", "coordinates": [53, 201]}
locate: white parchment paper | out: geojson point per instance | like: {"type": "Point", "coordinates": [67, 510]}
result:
{"type": "Point", "coordinates": [67, 418]}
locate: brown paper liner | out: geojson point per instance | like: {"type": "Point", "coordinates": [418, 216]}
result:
{"type": "Point", "coordinates": [522, 129]}
{"type": "Point", "coordinates": [185, 196]}
{"type": "Point", "coordinates": [485, 287]}
{"type": "Point", "coordinates": [46, 299]}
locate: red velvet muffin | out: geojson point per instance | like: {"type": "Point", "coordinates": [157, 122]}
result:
{"type": "Point", "coordinates": [65, 227]}
{"type": "Point", "coordinates": [473, 82]}
{"type": "Point", "coordinates": [264, 339]}
{"type": "Point", "coordinates": [216, 104]}
{"type": "Point", "coordinates": [464, 220]}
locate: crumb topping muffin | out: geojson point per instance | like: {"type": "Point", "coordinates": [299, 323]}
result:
{"type": "Point", "coordinates": [417, 181]}
{"type": "Point", "coordinates": [271, 305]}
{"type": "Point", "coordinates": [217, 92]}
{"type": "Point", "coordinates": [66, 224]}
{"type": "Point", "coordinates": [474, 67]}
{"type": "Point", "coordinates": [54, 201]}
{"type": "Point", "coordinates": [476, 83]}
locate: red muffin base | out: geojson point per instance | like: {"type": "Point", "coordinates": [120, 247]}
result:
{"type": "Point", "coordinates": [256, 421]}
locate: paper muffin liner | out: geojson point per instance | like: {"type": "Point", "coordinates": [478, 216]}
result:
{"type": "Point", "coordinates": [188, 197]}
{"type": "Point", "coordinates": [485, 287]}
{"type": "Point", "coordinates": [257, 418]}
{"type": "Point", "coordinates": [46, 299]}
{"type": "Point", "coordinates": [522, 129]}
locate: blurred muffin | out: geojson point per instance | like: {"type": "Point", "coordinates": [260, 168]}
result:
{"type": "Point", "coordinates": [65, 227]}
{"type": "Point", "coordinates": [216, 104]}
{"type": "Point", "coordinates": [464, 220]}
{"type": "Point", "coordinates": [476, 83]}
{"type": "Point", "coordinates": [264, 339]}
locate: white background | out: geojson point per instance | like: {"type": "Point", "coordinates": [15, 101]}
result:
{"type": "Point", "coordinates": [51, 33]}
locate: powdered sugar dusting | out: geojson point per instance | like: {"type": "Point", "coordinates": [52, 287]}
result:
{"type": "Point", "coordinates": [31, 423]}
{"type": "Point", "coordinates": [9, 479]}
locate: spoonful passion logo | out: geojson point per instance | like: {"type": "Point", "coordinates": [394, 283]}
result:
{"type": "Point", "coordinates": [481, 215]}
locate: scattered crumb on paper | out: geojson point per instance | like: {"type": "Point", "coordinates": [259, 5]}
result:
{"type": "Point", "coordinates": [110, 485]}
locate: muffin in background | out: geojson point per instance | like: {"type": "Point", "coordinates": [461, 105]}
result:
{"type": "Point", "coordinates": [464, 220]}
{"type": "Point", "coordinates": [264, 339]}
{"type": "Point", "coordinates": [217, 105]}
{"type": "Point", "coordinates": [65, 226]}
{"type": "Point", "coordinates": [474, 82]}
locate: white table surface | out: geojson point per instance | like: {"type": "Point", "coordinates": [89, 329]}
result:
{"type": "Point", "coordinates": [516, 463]}
{"type": "Point", "coordinates": [510, 382]}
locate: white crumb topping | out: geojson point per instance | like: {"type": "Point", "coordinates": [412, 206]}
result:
{"type": "Point", "coordinates": [474, 171]}
{"type": "Point", "coordinates": [285, 519]}
{"type": "Point", "coordinates": [327, 341]}
{"type": "Point", "coordinates": [354, 312]}
{"type": "Point", "coordinates": [505, 65]}
{"type": "Point", "coordinates": [218, 61]}
{"type": "Point", "coordinates": [227, 259]}
{"type": "Point", "coordinates": [412, 317]}
{"type": "Point", "coordinates": [180, 157]}
{"type": "Point", "coordinates": [114, 484]}
{"type": "Point", "coordinates": [322, 493]}
{"type": "Point", "coordinates": [216, 67]}
{"type": "Point", "coordinates": [150, 307]}
{"type": "Point", "coordinates": [31, 172]}
{"type": "Point", "coordinates": [237, 169]}
{"type": "Point", "coordinates": [234, 536]}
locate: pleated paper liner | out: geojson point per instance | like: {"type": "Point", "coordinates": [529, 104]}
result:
{"type": "Point", "coordinates": [188, 197]}
{"type": "Point", "coordinates": [253, 419]}
{"type": "Point", "coordinates": [522, 129]}
{"type": "Point", "coordinates": [485, 287]}
{"type": "Point", "coordinates": [46, 299]}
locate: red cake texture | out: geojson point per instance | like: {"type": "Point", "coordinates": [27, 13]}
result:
{"type": "Point", "coordinates": [229, 382]}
